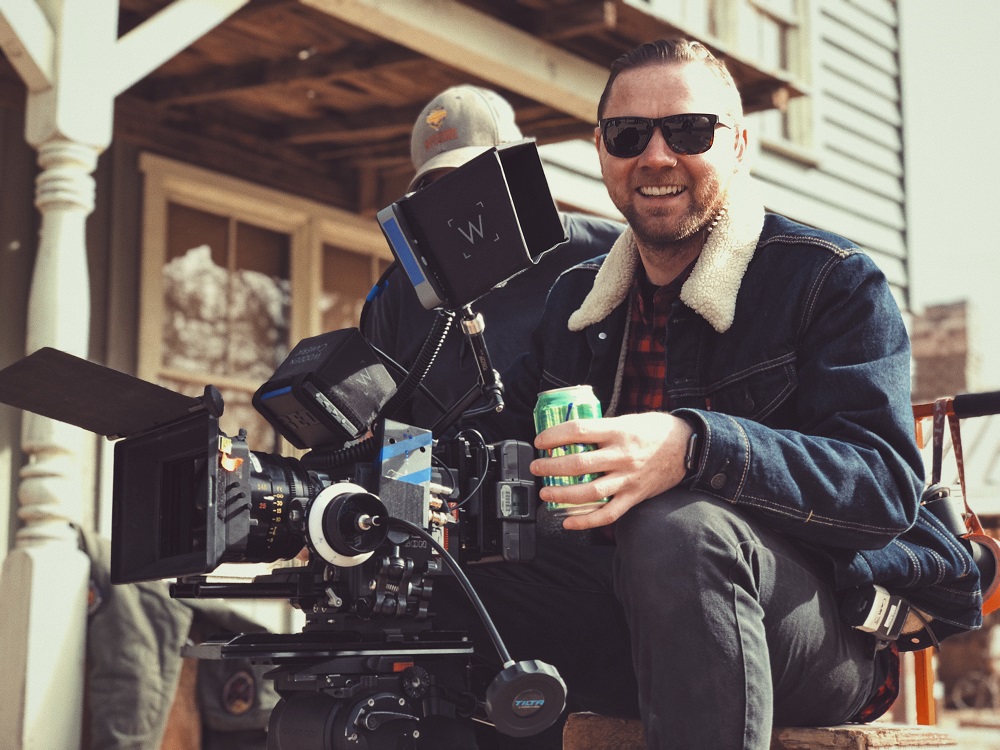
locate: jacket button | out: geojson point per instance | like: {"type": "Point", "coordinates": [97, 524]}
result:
{"type": "Point", "coordinates": [602, 335]}
{"type": "Point", "coordinates": [718, 481]}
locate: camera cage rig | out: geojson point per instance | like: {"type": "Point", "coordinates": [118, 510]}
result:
{"type": "Point", "coordinates": [367, 499]}
{"type": "Point", "coordinates": [188, 498]}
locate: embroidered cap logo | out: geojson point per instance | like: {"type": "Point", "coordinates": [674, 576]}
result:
{"type": "Point", "coordinates": [436, 116]}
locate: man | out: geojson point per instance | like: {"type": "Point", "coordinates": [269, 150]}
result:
{"type": "Point", "coordinates": [455, 126]}
{"type": "Point", "coordinates": [757, 447]}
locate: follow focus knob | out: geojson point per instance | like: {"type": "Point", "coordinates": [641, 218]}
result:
{"type": "Point", "coordinates": [525, 698]}
{"type": "Point", "coordinates": [345, 524]}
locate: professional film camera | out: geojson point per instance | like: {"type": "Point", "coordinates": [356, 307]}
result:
{"type": "Point", "coordinates": [383, 508]}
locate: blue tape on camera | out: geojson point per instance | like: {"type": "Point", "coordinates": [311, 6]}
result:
{"type": "Point", "coordinates": [396, 462]}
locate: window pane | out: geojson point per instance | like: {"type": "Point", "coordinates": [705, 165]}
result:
{"type": "Point", "coordinates": [221, 322]}
{"type": "Point", "coordinates": [189, 228]}
{"type": "Point", "coordinates": [195, 291]}
{"type": "Point", "coordinates": [195, 313]}
{"type": "Point", "coordinates": [749, 31]}
{"type": "Point", "coordinates": [260, 302]}
{"type": "Point", "coordinates": [763, 35]}
{"type": "Point", "coordinates": [347, 278]}
{"type": "Point", "coordinates": [771, 124]}
{"type": "Point", "coordinates": [772, 36]}
{"type": "Point", "coordinates": [262, 250]}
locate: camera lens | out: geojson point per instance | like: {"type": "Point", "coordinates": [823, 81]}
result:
{"type": "Point", "coordinates": [279, 486]}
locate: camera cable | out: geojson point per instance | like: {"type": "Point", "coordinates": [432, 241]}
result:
{"type": "Point", "coordinates": [425, 358]}
{"type": "Point", "coordinates": [483, 467]}
{"type": "Point", "coordinates": [463, 581]}
{"type": "Point", "coordinates": [525, 697]}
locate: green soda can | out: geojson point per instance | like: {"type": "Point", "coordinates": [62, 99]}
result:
{"type": "Point", "coordinates": [561, 405]}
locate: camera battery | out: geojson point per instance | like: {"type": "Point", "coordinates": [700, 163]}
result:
{"type": "Point", "coordinates": [516, 500]}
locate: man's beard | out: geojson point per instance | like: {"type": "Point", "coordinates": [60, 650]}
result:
{"type": "Point", "coordinates": [651, 233]}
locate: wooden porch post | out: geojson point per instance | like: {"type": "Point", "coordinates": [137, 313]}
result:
{"type": "Point", "coordinates": [44, 578]}
{"type": "Point", "coordinates": [69, 55]}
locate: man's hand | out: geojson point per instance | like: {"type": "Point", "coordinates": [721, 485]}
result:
{"type": "Point", "coordinates": [640, 455]}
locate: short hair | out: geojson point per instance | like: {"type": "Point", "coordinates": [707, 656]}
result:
{"type": "Point", "coordinates": [666, 51]}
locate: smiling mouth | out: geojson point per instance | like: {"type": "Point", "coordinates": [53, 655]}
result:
{"type": "Point", "coordinates": [661, 190]}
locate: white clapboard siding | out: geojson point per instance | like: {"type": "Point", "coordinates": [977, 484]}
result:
{"type": "Point", "coordinates": [883, 10]}
{"type": "Point", "coordinates": [866, 204]}
{"type": "Point", "coordinates": [859, 175]}
{"type": "Point", "coordinates": [853, 183]}
{"type": "Point", "coordinates": [574, 176]}
{"type": "Point", "coordinates": [849, 117]}
{"type": "Point", "coordinates": [856, 19]}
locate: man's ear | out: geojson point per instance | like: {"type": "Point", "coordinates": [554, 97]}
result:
{"type": "Point", "coordinates": [597, 139]}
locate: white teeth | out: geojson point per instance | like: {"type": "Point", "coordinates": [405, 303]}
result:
{"type": "Point", "coordinates": [661, 190]}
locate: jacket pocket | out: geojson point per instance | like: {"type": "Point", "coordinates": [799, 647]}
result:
{"type": "Point", "coordinates": [755, 392]}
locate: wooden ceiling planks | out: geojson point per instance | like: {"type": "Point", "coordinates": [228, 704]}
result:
{"type": "Point", "coordinates": [292, 90]}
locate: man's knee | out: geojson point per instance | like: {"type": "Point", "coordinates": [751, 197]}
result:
{"type": "Point", "coordinates": [678, 514]}
{"type": "Point", "coordinates": [676, 532]}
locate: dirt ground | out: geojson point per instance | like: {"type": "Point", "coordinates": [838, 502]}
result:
{"type": "Point", "coordinates": [973, 729]}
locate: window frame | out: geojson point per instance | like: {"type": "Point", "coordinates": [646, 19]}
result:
{"type": "Point", "coordinates": [309, 224]}
{"type": "Point", "coordinates": [800, 113]}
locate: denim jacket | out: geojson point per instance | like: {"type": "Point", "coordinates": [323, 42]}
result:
{"type": "Point", "coordinates": [788, 353]}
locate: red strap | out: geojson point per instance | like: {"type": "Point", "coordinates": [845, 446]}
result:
{"type": "Point", "coordinates": [956, 446]}
{"type": "Point", "coordinates": [943, 409]}
{"type": "Point", "coordinates": [940, 412]}
{"type": "Point", "coordinates": [975, 533]}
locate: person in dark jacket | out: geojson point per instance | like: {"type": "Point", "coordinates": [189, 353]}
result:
{"type": "Point", "coordinates": [757, 449]}
{"type": "Point", "coordinates": [455, 126]}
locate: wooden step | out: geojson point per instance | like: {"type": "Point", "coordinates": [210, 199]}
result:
{"type": "Point", "coordinates": [586, 731]}
{"type": "Point", "coordinates": [861, 737]}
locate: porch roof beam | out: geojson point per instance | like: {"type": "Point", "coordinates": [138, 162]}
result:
{"type": "Point", "coordinates": [27, 38]}
{"type": "Point", "coordinates": [159, 38]}
{"type": "Point", "coordinates": [472, 41]}
{"type": "Point", "coordinates": [217, 83]}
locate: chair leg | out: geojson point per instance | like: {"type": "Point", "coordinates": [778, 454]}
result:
{"type": "Point", "coordinates": [923, 672]}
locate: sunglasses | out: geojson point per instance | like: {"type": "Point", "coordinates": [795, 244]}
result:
{"type": "Point", "coordinates": [626, 137]}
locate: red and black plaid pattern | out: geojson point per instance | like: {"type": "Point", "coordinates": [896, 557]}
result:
{"type": "Point", "coordinates": [646, 359]}
{"type": "Point", "coordinates": [887, 692]}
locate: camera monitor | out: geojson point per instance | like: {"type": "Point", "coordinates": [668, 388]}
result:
{"type": "Point", "coordinates": [329, 389]}
{"type": "Point", "coordinates": [475, 227]}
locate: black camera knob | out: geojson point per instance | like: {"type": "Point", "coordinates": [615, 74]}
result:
{"type": "Point", "coordinates": [525, 698]}
{"type": "Point", "coordinates": [415, 682]}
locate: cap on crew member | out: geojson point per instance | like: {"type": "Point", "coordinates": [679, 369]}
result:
{"type": "Point", "coordinates": [457, 125]}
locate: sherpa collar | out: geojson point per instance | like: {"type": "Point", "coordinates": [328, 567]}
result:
{"type": "Point", "coordinates": [714, 282]}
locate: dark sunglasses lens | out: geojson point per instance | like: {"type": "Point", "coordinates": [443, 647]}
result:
{"type": "Point", "coordinates": [625, 137]}
{"type": "Point", "coordinates": [689, 134]}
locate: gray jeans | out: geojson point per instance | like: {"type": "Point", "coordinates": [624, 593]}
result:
{"type": "Point", "coordinates": [727, 627]}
